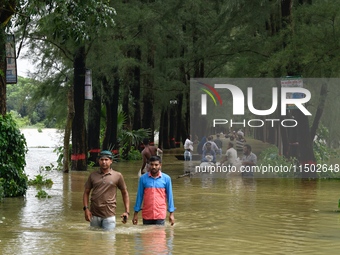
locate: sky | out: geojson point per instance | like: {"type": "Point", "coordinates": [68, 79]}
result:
{"type": "Point", "coordinates": [23, 66]}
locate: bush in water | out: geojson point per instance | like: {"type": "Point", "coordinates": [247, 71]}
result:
{"type": "Point", "coordinates": [13, 148]}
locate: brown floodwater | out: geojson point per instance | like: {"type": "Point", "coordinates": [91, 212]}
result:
{"type": "Point", "coordinates": [213, 216]}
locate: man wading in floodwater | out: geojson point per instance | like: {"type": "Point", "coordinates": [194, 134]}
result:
{"type": "Point", "coordinates": [154, 193]}
{"type": "Point", "coordinates": [148, 151]}
{"type": "Point", "coordinates": [104, 183]}
{"type": "Point", "coordinates": [249, 161]}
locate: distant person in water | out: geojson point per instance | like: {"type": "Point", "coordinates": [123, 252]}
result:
{"type": "Point", "coordinates": [147, 152]}
{"type": "Point", "coordinates": [249, 161]}
{"type": "Point", "coordinates": [188, 147]}
{"type": "Point", "coordinates": [230, 155]}
{"type": "Point", "coordinates": [209, 155]}
{"type": "Point", "coordinates": [219, 144]}
{"type": "Point", "coordinates": [200, 145]}
{"type": "Point", "coordinates": [214, 147]}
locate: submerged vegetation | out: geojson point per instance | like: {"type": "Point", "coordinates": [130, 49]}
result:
{"type": "Point", "coordinates": [41, 180]}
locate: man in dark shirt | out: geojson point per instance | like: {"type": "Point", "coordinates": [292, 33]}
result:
{"type": "Point", "coordinates": [148, 151]}
{"type": "Point", "coordinates": [104, 183]}
{"type": "Point", "coordinates": [218, 142]}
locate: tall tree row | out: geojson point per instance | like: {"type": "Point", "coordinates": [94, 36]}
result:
{"type": "Point", "coordinates": [290, 42]}
{"type": "Point", "coordinates": [68, 28]}
{"type": "Point", "coordinates": [143, 53]}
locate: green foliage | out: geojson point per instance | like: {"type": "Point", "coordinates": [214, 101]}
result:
{"type": "Point", "coordinates": [91, 164]}
{"type": "Point", "coordinates": [19, 120]}
{"type": "Point", "coordinates": [127, 139]}
{"type": "Point", "coordinates": [271, 157]}
{"type": "Point", "coordinates": [133, 137]}
{"type": "Point", "coordinates": [75, 19]}
{"type": "Point", "coordinates": [12, 158]}
{"type": "Point", "coordinates": [42, 194]}
{"type": "Point", "coordinates": [25, 109]}
{"type": "Point", "coordinates": [133, 154]}
{"type": "Point", "coordinates": [40, 181]}
{"type": "Point", "coordinates": [323, 153]}
{"type": "Point", "coordinates": [60, 156]}
{"type": "Point", "coordinates": [49, 168]}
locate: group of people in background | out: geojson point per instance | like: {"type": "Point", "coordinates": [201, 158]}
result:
{"type": "Point", "coordinates": [209, 148]}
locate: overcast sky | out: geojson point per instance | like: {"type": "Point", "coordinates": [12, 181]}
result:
{"type": "Point", "coordinates": [23, 66]}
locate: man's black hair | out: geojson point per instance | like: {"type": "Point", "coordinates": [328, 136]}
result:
{"type": "Point", "coordinates": [155, 158]}
{"type": "Point", "coordinates": [248, 146]}
{"type": "Point", "coordinates": [146, 141]}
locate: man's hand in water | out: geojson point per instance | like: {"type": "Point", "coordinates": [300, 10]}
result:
{"type": "Point", "coordinates": [172, 219]}
{"type": "Point", "coordinates": [124, 217]}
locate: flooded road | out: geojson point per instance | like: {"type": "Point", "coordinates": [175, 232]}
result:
{"type": "Point", "coordinates": [213, 216]}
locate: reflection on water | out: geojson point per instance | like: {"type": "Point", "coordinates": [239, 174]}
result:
{"type": "Point", "coordinates": [213, 216]}
{"type": "Point", "coordinates": [154, 240]}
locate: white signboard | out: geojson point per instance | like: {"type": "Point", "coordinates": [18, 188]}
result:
{"type": "Point", "coordinates": [11, 64]}
{"type": "Point", "coordinates": [293, 82]}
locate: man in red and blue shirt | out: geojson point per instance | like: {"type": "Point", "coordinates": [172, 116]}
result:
{"type": "Point", "coordinates": [155, 191]}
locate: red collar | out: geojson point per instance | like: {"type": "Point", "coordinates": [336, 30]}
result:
{"type": "Point", "coordinates": [158, 176]}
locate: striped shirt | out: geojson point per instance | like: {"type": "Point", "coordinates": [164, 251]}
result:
{"type": "Point", "coordinates": [155, 193]}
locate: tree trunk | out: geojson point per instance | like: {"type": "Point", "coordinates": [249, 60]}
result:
{"type": "Point", "coordinates": [183, 129]}
{"type": "Point", "coordinates": [2, 71]}
{"type": "Point", "coordinates": [125, 104]}
{"type": "Point", "coordinates": [286, 10]}
{"type": "Point", "coordinates": [319, 111]}
{"type": "Point", "coordinates": [68, 128]}
{"type": "Point", "coordinates": [160, 135]}
{"type": "Point", "coordinates": [126, 111]}
{"type": "Point", "coordinates": [114, 112]}
{"type": "Point", "coordinates": [127, 88]}
{"type": "Point", "coordinates": [179, 121]}
{"type": "Point", "coordinates": [94, 125]}
{"type": "Point", "coordinates": [305, 145]}
{"type": "Point", "coordinates": [108, 127]}
{"type": "Point", "coordinates": [148, 112]}
{"type": "Point", "coordinates": [172, 125]}
{"type": "Point", "coordinates": [165, 129]}
{"type": "Point", "coordinates": [79, 154]}
{"type": "Point", "coordinates": [148, 97]}
{"type": "Point", "coordinates": [111, 103]}
{"type": "Point", "coordinates": [136, 92]}
{"type": "Point", "coordinates": [2, 93]}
